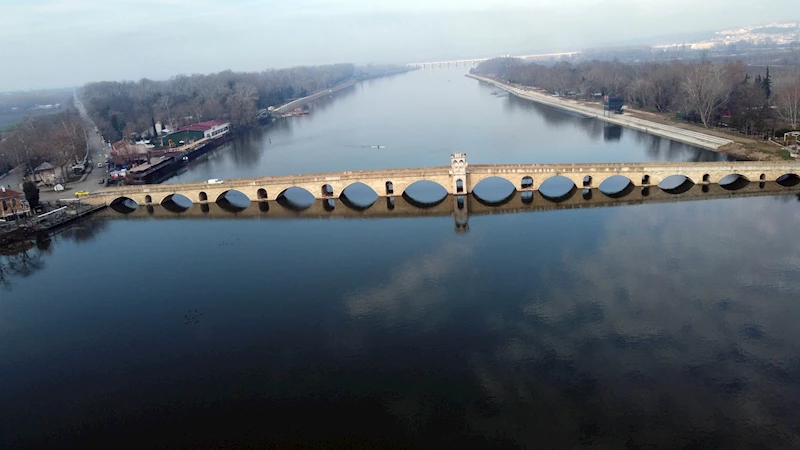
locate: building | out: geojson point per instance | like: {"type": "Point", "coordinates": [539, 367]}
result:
{"type": "Point", "coordinates": [192, 133]}
{"type": "Point", "coordinates": [123, 152]}
{"type": "Point", "coordinates": [13, 204]}
{"type": "Point", "coordinates": [45, 173]}
{"type": "Point", "coordinates": [210, 129]}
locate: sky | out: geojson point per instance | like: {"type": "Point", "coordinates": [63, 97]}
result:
{"type": "Point", "coordinates": [62, 43]}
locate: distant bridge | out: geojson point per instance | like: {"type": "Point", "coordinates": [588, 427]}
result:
{"type": "Point", "coordinates": [468, 62]}
{"type": "Point", "coordinates": [457, 179]}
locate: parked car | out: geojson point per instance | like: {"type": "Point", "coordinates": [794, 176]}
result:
{"type": "Point", "coordinates": [81, 194]}
{"type": "Point", "coordinates": [215, 181]}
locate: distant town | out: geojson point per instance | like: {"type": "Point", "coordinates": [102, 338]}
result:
{"type": "Point", "coordinates": [753, 35]}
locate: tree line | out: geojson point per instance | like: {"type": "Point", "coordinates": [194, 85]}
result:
{"type": "Point", "coordinates": [130, 108]}
{"type": "Point", "coordinates": [725, 94]}
{"type": "Point", "coordinates": [59, 139]}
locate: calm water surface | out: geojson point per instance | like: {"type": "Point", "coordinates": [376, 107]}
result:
{"type": "Point", "coordinates": [655, 325]}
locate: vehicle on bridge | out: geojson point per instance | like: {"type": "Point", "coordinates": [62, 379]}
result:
{"type": "Point", "coordinates": [215, 181]}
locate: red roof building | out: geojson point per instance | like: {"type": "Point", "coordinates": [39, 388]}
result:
{"type": "Point", "coordinates": [203, 126]}
{"type": "Point", "coordinates": [13, 204]}
{"type": "Point", "coordinates": [210, 129]}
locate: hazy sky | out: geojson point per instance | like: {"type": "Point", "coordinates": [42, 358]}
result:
{"type": "Point", "coordinates": [57, 43]}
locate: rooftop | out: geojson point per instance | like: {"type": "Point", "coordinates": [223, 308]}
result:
{"type": "Point", "coordinates": [203, 126]}
{"type": "Point", "coordinates": [8, 193]}
{"type": "Point", "coordinates": [44, 166]}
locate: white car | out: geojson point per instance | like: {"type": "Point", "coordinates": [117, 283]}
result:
{"type": "Point", "coordinates": [215, 181]}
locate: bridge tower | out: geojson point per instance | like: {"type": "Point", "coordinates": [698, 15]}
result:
{"type": "Point", "coordinates": [459, 173]}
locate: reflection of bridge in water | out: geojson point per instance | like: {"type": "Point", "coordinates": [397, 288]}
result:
{"type": "Point", "coordinates": [459, 207]}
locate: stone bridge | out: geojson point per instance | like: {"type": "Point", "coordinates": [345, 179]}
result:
{"type": "Point", "coordinates": [458, 179]}
{"type": "Point", "coordinates": [459, 207]}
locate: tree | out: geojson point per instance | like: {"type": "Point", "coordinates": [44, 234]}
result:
{"type": "Point", "coordinates": [767, 84]}
{"type": "Point", "coordinates": [705, 90]}
{"type": "Point", "coordinates": [31, 193]}
{"type": "Point", "coordinates": [787, 102]}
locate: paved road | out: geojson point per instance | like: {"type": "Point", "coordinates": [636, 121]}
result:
{"type": "Point", "coordinates": [97, 153]}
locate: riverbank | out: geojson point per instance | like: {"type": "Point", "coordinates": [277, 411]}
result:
{"type": "Point", "coordinates": [636, 120]}
{"type": "Point", "coordinates": [283, 109]}
{"type": "Point", "coordinates": [288, 107]}
{"type": "Point", "coordinates": [27, 228]}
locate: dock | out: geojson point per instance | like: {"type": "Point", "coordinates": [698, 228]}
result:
{"type": "Point", "coordinates": [22, 229]}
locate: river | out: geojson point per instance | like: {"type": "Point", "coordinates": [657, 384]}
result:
{"type": "Point", "coordinates": [642, 325]}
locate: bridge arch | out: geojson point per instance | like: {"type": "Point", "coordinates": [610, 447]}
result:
{"type": "Point", "coordinates": [422, 186]}
{"type": "Point", "coordinates": [788, 180]}
{"type": "Point", "coordinates": [616, 186]}
{"type": "Point", "coordinates": [358, 196]}
{"type": "Point", "coordinates": [734, 182]}
{"type": "Point", "coordinates": [389, 188]}
{"type": "Point", "coordinates": [676, 184]}
{"type": "Point", "coordinates": [233, 200]}
{"type": "Point", "coordinates": [557, 188]}
{"type": "Point", "coordinates": [296, 198]}
{"type": "Point", "coordinates": [176, 203]}
{"type": "Point", "coordinates": [123, 205]}
{"type": "Point", "coordinates": [494, 190]}
{"type": "Point", "coordinates": [526, 183]}
{"type": "Point", "coordinates": [202, 196]}
{"type": "Point", "coordinates": [424, 193]}
{"type": "Point", "coordinates": [148, 199]}
{"type": "Point", "coordinates": [261, 194]}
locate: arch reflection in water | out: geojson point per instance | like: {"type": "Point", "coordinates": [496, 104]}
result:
{"type": "Point", "coordinates": [676, 184]}
{"type": "Point", "coordinates": [789, 180]}
{"type": "Point", "coordinates": [176, 203]}
{"type": "Point", "coordinates": [557, 189]}
{"type": "Point", "coordinates": [734, 182]}
{"type": "Point", "coordinates": [295, 198]}
{"type": "Point", "coordinates": [616, 186]}
{"type": "Point", "coordinates": [358, 196]}
{"type": "Point", "coordinates": [526, 197]}
{"type": "Point", "coordinates": [493, 191]}
{"type": "Point", "coordinates": [233, 201]}
{"type": "Point", "coordinates": [425, 193]}
{"type": "Point", "coordinates": [124, 205]}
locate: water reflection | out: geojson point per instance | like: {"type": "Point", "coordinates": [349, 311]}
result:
{"type": "Point", "coordinates": [23, 259]}
{"type": "Point", "coordinates": [605, 327]}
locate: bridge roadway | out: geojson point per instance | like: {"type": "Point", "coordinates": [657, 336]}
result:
{"type": "Point", "coordinates": [457, 179]}
{"type": "Point", "coordinates": [448, 206]}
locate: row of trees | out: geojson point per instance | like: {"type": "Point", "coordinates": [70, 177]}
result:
{"type": "Point", "coordinates": [705, 92]}
{"type": "Point", "coordinates": [124, 109]}
{"type": "Point", "coordinates": [57, 138]}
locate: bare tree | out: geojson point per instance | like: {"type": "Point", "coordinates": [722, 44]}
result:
{"type": "Point", "coordinates": [706, 89]}
{"type": "Point", "coordinates": [164, 103]}
{"type": "Point", "coordinates": [788, 103]}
